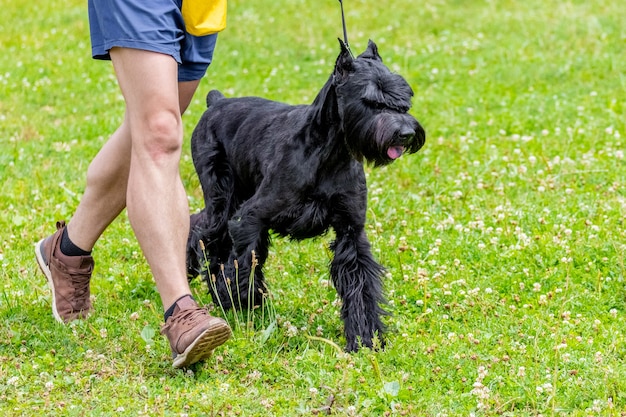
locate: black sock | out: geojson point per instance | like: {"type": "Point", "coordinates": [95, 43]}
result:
{"type": "Point", "coordinates": [170, 310]}
{"type": "Point", "coordinates": [68, 247]}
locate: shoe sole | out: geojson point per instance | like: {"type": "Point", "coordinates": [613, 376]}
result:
{"type": "Point", "coordinates": [202, 348]}
{"type": "Point", "coordinates": [46, 271]}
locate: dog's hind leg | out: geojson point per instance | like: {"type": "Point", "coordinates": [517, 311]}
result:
{"type": "Point", "coordinates": [195, 254]}
{"type": "Point", "coordinates": [211, 225]}
{"type": "Point", "coordinates": [358, 280]}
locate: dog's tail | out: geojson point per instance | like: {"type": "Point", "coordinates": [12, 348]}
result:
{"type": "Point", "coordinates": [213, 96]}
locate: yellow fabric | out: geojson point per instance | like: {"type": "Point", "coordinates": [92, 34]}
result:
{"type": "Point", "coordinates": [203, 17]}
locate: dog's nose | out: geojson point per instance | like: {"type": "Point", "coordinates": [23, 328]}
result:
{"type": "Point", "coordinates": [406, 135]}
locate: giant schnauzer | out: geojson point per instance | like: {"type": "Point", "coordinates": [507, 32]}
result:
{"type": "Point", "coordinates": [298, 171]}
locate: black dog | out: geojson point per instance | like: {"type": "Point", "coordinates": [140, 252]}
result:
{"type": "Point", "coordinates": [297, 170]}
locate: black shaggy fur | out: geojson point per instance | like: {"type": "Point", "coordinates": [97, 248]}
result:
{"type": "Point", "coordinates": [298, 170]}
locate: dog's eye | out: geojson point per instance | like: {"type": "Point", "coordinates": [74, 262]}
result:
{"type": "Point", "coordinates": [387, 106]}
{"type": "Point", "coordinates": [376, 105]}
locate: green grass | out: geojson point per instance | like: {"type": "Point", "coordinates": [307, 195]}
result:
{"type": "Point", "coordinates": [504, 237]}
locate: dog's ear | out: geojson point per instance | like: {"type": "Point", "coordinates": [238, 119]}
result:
{"type": "Point", "coordinates": [371, 52]}
{"type": "Point", "coordinates": [344, 60]}
{"type": "Point", "coordinates": [344, 47]}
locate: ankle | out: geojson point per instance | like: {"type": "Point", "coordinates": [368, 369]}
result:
{"type": "Point", "coordinates": [68, 248]}
{"type": "Point", "coordinates": [172, 308]}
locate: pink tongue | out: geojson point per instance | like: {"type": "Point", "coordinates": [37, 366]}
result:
{"type": "Point", "coordinates": [395, 152]}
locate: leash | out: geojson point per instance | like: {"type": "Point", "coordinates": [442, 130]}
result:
{"type": "Point", "coordinates": [345, 32]}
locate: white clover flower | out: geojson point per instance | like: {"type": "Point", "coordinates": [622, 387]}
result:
{"type": "Point", "coordinates": [291, 329]}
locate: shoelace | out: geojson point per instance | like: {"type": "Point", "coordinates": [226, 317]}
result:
{"type": "Point", "coordinates": [81, 287]}
{"type": "Point", "coordinates": [80, 283]}
{"type": "Point", "coordinates": [189, 315]}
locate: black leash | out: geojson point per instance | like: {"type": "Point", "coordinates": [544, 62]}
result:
{"type": "Point", "coordinates": [345, 32]}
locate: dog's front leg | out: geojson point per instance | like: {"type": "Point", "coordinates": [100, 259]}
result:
{"type": "Point", "coordinates": [358, 280]}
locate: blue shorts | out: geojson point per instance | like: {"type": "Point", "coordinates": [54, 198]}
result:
{"type": "Point", "coordinates": [155, 25]}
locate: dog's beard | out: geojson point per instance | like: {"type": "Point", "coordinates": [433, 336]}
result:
{"type": "Point", "coordinates": [382, 138]}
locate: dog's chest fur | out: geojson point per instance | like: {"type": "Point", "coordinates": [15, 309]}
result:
{"type": "Point", "coordinates": [310, 210]}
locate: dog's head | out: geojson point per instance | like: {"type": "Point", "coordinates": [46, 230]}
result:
{"type": "Point", "coordinates": [373, 105]}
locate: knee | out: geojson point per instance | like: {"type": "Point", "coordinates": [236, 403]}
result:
{"type": "Point", "coordinates": [162, 136]}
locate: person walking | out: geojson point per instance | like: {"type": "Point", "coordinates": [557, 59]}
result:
{"type": "Point", "coordinates": [158, 65]}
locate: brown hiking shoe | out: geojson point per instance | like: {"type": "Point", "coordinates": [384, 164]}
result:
{"type": "Point", "coordinates": [193, 333]}
{"type": "Point", "coordinates": [68, 277]}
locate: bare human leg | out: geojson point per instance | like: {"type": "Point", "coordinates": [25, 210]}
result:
{"type": "Point", "coordinates": [108, 186]}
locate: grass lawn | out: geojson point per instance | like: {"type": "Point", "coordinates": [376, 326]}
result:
{"type": "Point", "coordinates": [503, 237]}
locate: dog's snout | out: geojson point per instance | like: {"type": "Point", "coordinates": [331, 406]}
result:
{"type": "Point", "coordinates": [413, 137]}
{"type": "Point", "coordinates": [406, 135]}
